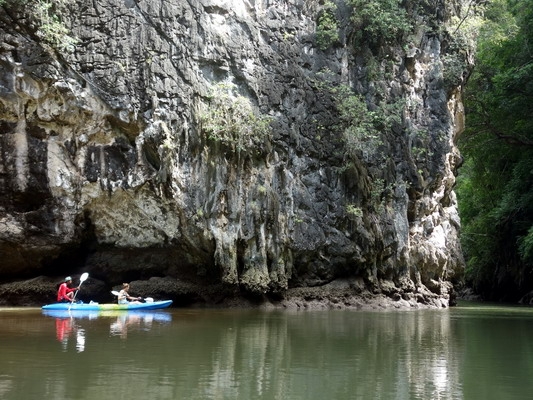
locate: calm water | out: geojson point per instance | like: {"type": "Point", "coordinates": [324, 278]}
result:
{"type": "Point", "coordinates": [469, 352]}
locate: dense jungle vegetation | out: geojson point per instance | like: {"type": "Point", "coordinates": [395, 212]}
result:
{"type": "Point", "coordinates": [495, 185]}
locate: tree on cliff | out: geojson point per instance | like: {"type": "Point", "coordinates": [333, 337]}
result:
{"type": "Point", "coordinates": [495, 188]}
{"type": "Point", "coordinates": [41, 18]}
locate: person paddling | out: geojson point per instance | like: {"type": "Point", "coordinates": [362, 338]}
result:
{"type": "Point", "coordinates": [65, 294]}
{"type": "Point", "coordinates": [125, 298]}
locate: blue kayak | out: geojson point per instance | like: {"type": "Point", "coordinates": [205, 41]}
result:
{"type": "Point", "coordinates": [92, 306]}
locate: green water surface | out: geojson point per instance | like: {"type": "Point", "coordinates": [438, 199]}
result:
{"type": "Point", "coordinates": [468, 352]}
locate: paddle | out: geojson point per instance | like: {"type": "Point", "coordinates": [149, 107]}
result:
{"type": "Point", "coordinates": [114, 292]}
{"type": "Point", "coordinates": [83, 278]}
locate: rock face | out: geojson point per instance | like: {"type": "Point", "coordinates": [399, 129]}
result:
{"type": "Point", "coordinates": [216, 144]}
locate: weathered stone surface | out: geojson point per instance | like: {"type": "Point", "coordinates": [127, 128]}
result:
{"type": "Point", "coordinates": [106, 167]}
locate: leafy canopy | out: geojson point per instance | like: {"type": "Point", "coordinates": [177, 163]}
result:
{"type": "Point", "coordinates": [495, 186]}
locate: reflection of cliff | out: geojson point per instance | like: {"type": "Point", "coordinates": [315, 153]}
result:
{"type": "Point", "coordinates": [317, 355]}
{"type": "Point", "coordinates": [342, 354]}
{"type": "Point", "coordinates": [243, 355]}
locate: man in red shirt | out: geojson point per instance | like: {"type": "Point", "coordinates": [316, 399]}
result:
{"type": "Point", "coordinates": [66, 294]}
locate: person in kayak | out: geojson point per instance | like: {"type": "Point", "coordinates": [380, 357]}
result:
{"type": "Point", "coordinates": [125, 298]}
{"type": "Point", "coordinates": [65, 294]}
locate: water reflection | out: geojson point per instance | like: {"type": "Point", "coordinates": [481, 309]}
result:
{"type": "Point", "coordinates": [342, 355]}
{"type": "Point", "coordinates": [236, 354]}
{"type": "Point", "coordinates": [68, 326]}
{"type": "Point", "coordinates": [158, 315]}
{"type": "Point", "coordinates": [64, 328]}
{"type": "Point", "coordinates": [136, 321]}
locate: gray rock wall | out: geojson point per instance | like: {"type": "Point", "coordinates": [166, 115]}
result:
{"type": "Point", "coordinates": [204, 141]}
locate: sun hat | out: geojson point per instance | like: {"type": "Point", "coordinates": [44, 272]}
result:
{"type": "Point", "coordinates": [68, 278]}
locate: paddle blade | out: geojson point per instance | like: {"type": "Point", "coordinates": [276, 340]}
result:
{"type": "Point", "coordinates": [84, 277]}
{"type": "Point", "coordinates": [115, 292]}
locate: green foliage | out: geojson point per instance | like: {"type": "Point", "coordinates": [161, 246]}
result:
{"type": "Point", "coordinates": [45, 15]}
{"type": "Point", "coordinates": [525, 247]}
{"type": "Point", "coordinates": [231, 120]}
{"type": "Point", "coordinates": [377, 198]}
{"type": "Point", "coordinates": [360, 126]}
{"type": "Point", "coordinates": [461, 33]}
{"type": "Point", "coordinates": [454, 67]}
{"type": "Point", "coordinates": [363, 127]}
{"type": "Point", "coordinates": [327, 31]}
{"type": "Point", "coordinates": [495, 186]}
{"type": "Point", "coordinates": [351, 209]}
{"type": "Point", "coordinates": [51, 28]}
{"type": "Point", "coordinates": [381, 20]}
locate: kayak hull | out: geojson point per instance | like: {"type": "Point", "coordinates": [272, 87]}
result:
{"type": "Point", "coordinates": [155, 305]}
{"type": "Point", "coordinates": [152, 315]}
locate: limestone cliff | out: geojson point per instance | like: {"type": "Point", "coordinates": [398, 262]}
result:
{"type": "Point", "coordinates": [254, 146]}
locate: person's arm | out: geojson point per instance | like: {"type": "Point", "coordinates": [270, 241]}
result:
{"type": "Point", "coordinates": [131, 297]}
